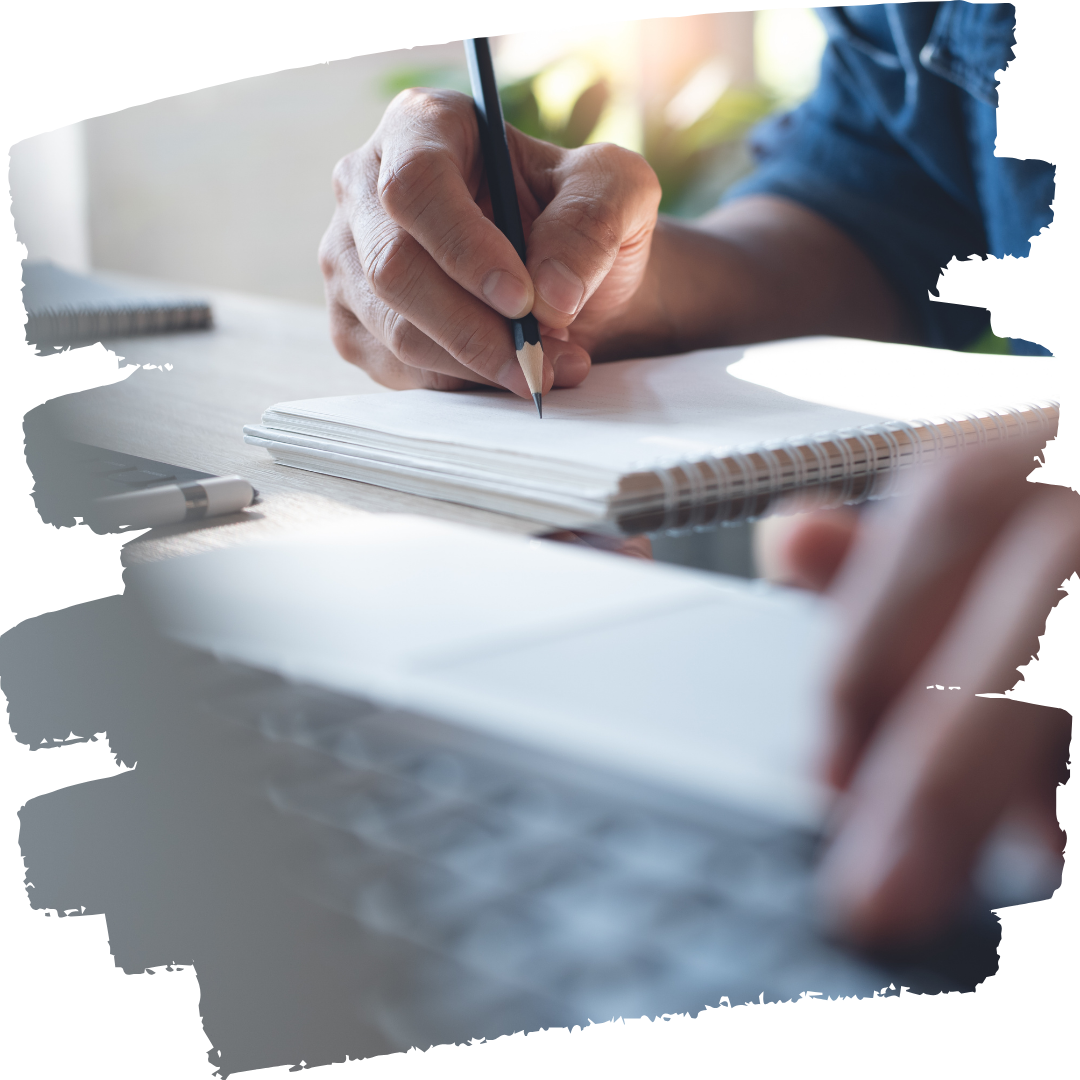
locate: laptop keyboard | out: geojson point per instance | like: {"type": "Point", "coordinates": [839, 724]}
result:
{"type": "Point", "coordinates": [574, 901]}
{"type": "Point", "coordinates": [351, 880]}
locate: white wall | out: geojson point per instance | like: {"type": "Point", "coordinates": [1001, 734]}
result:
{"type": "Point", "coordinates": [230, 186]}
{"type": "Point", "coordinates": [49, 196]}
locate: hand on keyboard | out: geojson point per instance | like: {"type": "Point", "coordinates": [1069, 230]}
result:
{"type": "Point", "coordinates": [943, 596]}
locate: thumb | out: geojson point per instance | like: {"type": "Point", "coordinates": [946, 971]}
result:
{"type": "Point", "coordinates": [599, 214]}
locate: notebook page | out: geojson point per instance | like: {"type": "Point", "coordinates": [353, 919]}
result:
{"type": "Point", "coordinates": [628, 415]}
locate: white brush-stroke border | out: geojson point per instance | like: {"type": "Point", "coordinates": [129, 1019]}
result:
{"type": "Point", "coordinates": [67, 1012]}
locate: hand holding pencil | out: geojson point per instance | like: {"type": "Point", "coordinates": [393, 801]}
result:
{"type": "Point", "coordinates": [420, 281]}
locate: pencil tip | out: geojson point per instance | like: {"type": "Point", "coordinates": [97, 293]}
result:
{"type": "Point", "coordinates": [539, 405]}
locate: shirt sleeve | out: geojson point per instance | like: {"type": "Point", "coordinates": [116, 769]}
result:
{"type": "Point", "coordinates": [877, 150]}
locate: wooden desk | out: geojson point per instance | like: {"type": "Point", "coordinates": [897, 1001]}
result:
{"type": "Point", "coordinates": [260, 352]}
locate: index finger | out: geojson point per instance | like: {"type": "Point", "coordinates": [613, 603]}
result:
{"type": "Point", "coordinates": [430, 170]}
{"type": "Point", "coordinates": [905, 577]}
{"type": "Point", "coordinates": [925, 802]}
{"type": "Point", "coordinates": [945, 763]}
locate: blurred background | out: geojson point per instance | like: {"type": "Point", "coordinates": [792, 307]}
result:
{"type": "Point", "coordinates": [229, 187]}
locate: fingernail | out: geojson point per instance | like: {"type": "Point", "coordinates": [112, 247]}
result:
{"type": "Point", "coordinates": [506, 294]}
{"type": "Point", "coordinates": [570, 368]}
{"type": "Point", "coordinates": [559, 286]}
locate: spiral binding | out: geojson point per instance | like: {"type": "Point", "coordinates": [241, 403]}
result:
{"type": "Point", "coordinates": [827, 469]}
{"type": "Point", "coordinates": [68, 325]}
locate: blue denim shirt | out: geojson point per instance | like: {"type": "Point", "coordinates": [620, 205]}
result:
{"type": "Point", "coordinates": [896, 147]}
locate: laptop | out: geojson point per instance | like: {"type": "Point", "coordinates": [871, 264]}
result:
{"type": "Point", "coordinates": [414, 783]}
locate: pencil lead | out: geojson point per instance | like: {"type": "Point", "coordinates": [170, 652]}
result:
{"type": "Point", "coordinates": [539, 406]}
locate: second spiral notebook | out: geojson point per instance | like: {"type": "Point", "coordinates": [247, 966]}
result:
{"type": "Point", "coordinates": [671, 442]}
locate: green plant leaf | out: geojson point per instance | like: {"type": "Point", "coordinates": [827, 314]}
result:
{"type": "Point", "coordinates": [585, 114]}
{"type": "Point", "coordinates": [521, 109]}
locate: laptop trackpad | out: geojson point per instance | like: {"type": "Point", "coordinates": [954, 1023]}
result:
{"type": "Point", "coordinates": [721, 697]}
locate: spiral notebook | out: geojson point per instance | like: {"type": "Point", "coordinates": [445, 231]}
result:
{"type": "Point", "coordinates": [64, 308]}
{"type": "Point", "coordinates": [667, 443]}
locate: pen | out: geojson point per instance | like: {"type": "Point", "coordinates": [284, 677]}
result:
{"type": "Point", "coordinates": [504, 203]}
{"type": "Point", "coordinates": [167, 504]}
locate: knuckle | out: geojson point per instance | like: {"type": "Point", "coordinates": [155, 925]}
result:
{"type": "Point", "coordinates": [610, 155]}
{"type": "Point", "coordinates": [429, 106]}
{"type": "Point", "coordinates": [327, 264]}
{"type": "Point", "coordinates": [609, 158]}
{"type": "Point", "coordinates": [330, 251]}
{"type": "Point", "coordinates": [643, 174]}
{"type": "Point", "coordinates": [343, 342]}
{"type": "Point", "coordinates": [390, 266]}
{"type": "Point", "coordinates": [345, 334]}
{"type": "Point", "coordinates": [408, 99]}
{"type": "Point", "coordinates": [408, 179]}
{"type": "Point", "coordinates": [339, 259]}
{"type": "Point", "coordinates": [426, 125]}
{"type": "Point", "coordinates": [396, 331]}
{"type": "Point", "coordinates": [345, 173]}
{"type": "Point", "coordinates": [339, 177]}
{"type": "Point", "coordinates": [413, 100]}
{"type": "Point", "coordinates": [625, 175]}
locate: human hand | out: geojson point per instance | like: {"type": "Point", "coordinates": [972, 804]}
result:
{"type": "Point", "coordinates": [420, 282]}
{"type": "Point", "coordinates": [950, 587]}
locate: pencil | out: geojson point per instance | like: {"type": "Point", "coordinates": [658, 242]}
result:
{"type": "Point", "coordinates": [504, 204]}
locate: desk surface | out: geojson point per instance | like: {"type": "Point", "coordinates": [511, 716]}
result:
{"type": "Point", "coordinates": [260, 352]}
